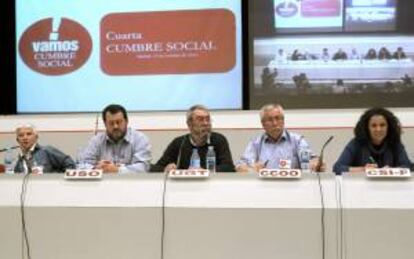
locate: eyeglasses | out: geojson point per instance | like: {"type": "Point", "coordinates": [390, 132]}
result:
{"type": "Point", "coordinates": [275, 118]}
{"type": "Point", "coordinates": [202, 118]}
{"type": "Point", "coordinates": [115, 122]}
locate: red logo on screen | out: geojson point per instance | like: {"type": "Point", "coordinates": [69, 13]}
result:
{"type": "Point", "coordinates": [321, 8]}
{"type": "Point", "coordinates": [168, 42]}
{"type": "Point", "coordinates": [286, 9]}
{"type": "Point", "coordinates": [55, 46]}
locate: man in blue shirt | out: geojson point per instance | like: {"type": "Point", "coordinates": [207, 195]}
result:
{"type": "Point", "coordinates": [120, 149]}
{"type": "Point", "coordinates": [276, 147]}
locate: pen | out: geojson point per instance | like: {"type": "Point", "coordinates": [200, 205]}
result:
{"type": "Point", "coordinates": [371, 160]}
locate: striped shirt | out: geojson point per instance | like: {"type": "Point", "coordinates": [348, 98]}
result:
{"type": "Point", "coordinates": [265, 150]}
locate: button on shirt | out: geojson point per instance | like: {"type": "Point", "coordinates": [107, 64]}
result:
{"type": "Point", "coordinates": [265, 150]}
{"type": "Point", "coordinates": [132, 152]}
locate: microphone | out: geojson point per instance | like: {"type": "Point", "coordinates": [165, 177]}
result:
{"type": "Point", "coordinates": [28, 160]}
{"type": "Point", "coordinates": [180, 150]}
{"type": "Point", "coordinates": [95, 131]}
{"type": "Point", "coordinates": [320, 160]}
{"type": "Point", "coordinates": [7, 148]}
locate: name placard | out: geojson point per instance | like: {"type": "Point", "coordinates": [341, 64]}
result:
{"type": "Point", "coordinates": [388, 173]}
{"type": "Point", "coordinates": [190, 173]}
{"type": "Point", "coordinates": [280, 173]}
{"type": "Point", "coordinates": [83, 174]}
{"type": "Point", "coordinates": [37, 170]}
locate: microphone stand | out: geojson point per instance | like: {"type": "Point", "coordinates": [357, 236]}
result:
{"type": "Point", "coordinates": [28, 164]}
{"type": "Point", "coordinates": [96, 125]}
{"type": "Point", "coordinates": [8, 148]}
{"type": "Point", "coordinates": [320, 160]}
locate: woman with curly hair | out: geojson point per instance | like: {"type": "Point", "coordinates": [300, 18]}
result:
{"type": "Point", "coordinates": [377, 143]}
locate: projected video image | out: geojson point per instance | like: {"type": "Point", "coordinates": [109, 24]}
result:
{"type": "Point", "coordinates": [307, 54]}
{"type": "Point", "coordinates": [327, 65]}
{"type": "Point", "coordinates": [326, 59]}
{"type": "Point", "coordinates": [370, 15]}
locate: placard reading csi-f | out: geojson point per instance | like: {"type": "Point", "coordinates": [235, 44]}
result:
{"type": "Point", "coordinates": [388, 173]}
{"type": "Point", "coordinates": [168, 42]}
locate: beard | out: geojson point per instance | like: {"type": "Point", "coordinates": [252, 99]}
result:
{"type": "Point", "coordinates": [203, 131]}
{"type": "Point", "coordinates": [200, 134]}
{"type": "Point", "coordinates": [275, 133]}
{"type": "Point", "coordinates": [117, 135]}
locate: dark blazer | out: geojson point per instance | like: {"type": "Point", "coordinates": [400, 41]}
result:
{"type": "Point", "coordinates": [358, 154]}
{"type": "Point", "coordinates": [180, 149]}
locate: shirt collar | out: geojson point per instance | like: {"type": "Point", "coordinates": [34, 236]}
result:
{"type": "Point", "coordinates": [194, 144]}
{"type": "Point", "coordinates": [268, 139]}
{"type": "Point", "coordinates": [31, 150]}
{"type": "Point", "coordinates": [126, 138]}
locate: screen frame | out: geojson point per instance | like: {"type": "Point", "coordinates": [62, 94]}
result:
{"type": "Point", "coordinates": [12, 96]}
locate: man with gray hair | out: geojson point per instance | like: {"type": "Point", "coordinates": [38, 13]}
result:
{"type": "Point", "coordinates": [276, 147]}
{"type": "Point", "coordinates": [178, 153]}
{"type": "Point", "coordinates": [33, 155]}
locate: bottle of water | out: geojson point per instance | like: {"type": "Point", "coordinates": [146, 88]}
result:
{"type": "Point", "coordinates": [304, 156]}
{"type": "Point", "coordinates": [195, 159]}
{"type": "Point", "coordinates": [8, 161]}
{"type": "Point", "coordinates": [211, 160]}
{"type": "Point", "coordinates": [80, 164]}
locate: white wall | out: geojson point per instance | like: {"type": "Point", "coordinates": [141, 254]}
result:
{"type": "Point", "coordinates": [71, 131]}
{"type": "Point", "coordinates": [307, 119]}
